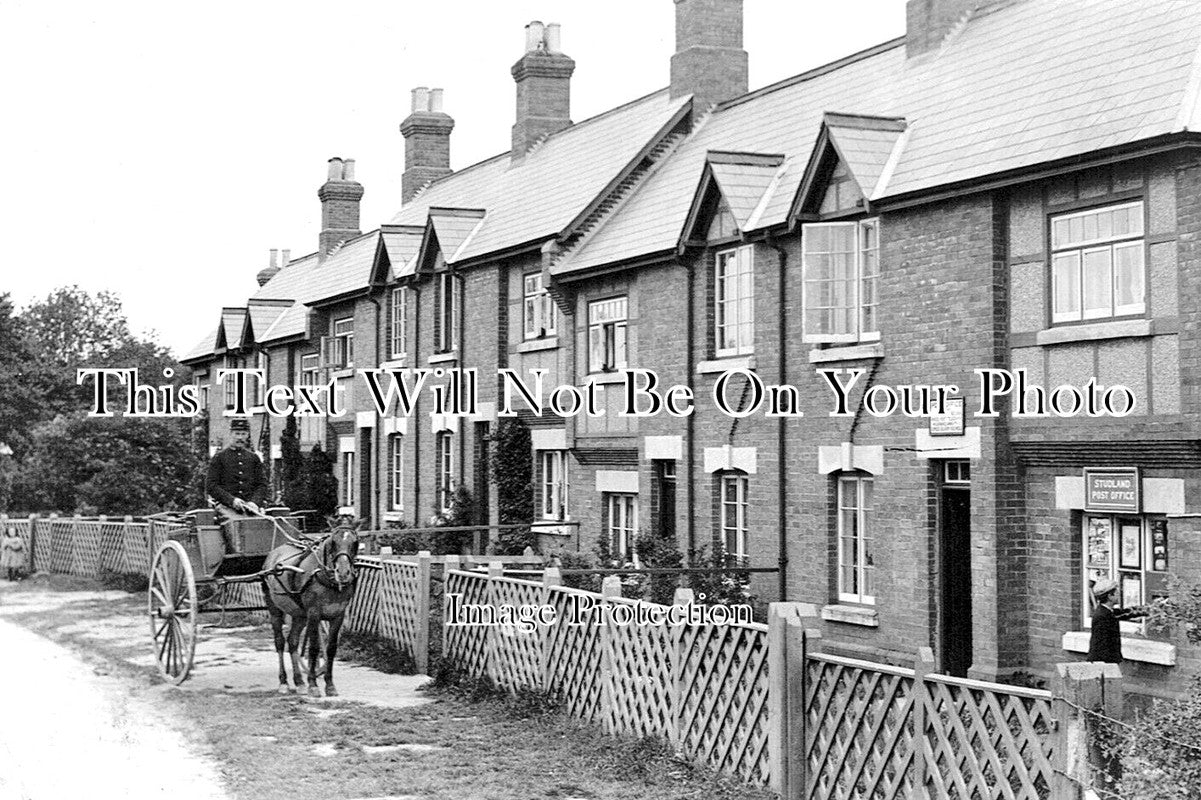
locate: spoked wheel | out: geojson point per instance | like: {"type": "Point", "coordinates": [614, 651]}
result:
{"type": "Point", "coordinates": [172, 608]}
{"type": "Point", "coordinates": [322, 638]}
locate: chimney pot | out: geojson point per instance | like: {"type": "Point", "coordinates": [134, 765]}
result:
{"type": "Point", "coordinates": [339, 197]}
{"type": "Point", "coordinates": [348, 169]}
{"type": "Point", "coordinates": [274, 256]}
{"type": "Point", "coordinates": [335, 169]}
{"type": "Point", "coordinates": [534, 36]}
{"type": "Point", "coordinates": [285, 258]}
{"type": "Point", "coordinates": [552, 38]}
{"type": "Point", "coordinates": [435, 101]}
{"type": "Point", "coordinates": [421, 99]}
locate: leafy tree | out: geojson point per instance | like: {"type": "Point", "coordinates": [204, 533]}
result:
{"type": "Point", "coordinates": [295, 493]}
{"type": "Point", "coordinates": [322, 487]}
{"type": "Point", "coordinates": [25, 382]}
{"type": "Point", "coordinates": [512, 472]}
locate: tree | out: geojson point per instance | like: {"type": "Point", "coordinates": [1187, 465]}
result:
{"type": "Point", "coordinates": [512, 472]}
{"type": "Point", "coordinates": [25, 382]}
{"type": "Point", "coordinates": [321, 485]}
{"type": "Point", "coordinates": [295, 493]}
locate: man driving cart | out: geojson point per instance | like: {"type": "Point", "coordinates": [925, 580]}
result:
{"type": "Point", "coordinates": [237, 483]}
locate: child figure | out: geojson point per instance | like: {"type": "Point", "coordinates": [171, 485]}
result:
{"type": "Point", "coordinates": [12, 553]}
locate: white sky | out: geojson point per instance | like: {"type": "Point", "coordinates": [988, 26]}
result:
{"type": "Point", "coordinates": [159, 150]}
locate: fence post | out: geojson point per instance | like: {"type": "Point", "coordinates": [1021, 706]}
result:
{"type": "Point", "coordinates": [126, 534]}
{"type": "Point", "coordinates": [1094, 686]}
{"type": "Point", "coordinates": [492, 667]}
{"type": "Point", "coordinates": [551, 577]}
{"type": "Point", "coordinates": [422, 656]}
{"type": "Point", "coordinates": [922, 667]}
{"type": "Point", "coordinates": [610, 587]}
{"type": "Point", "coordinates": [33, 544]}
{"type": "Point", "coordinates": [800, 643]}
{"type": "Point", "coordinates": [777, 697]}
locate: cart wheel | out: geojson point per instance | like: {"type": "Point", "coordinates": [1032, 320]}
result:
{"type": "Point", "coordinates": [323, 638]}
{"type": "Point", "coordinates": [172, 608]}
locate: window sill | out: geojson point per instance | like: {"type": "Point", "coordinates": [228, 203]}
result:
{"type": "Point", "coordinates": [443, 358]}
{"type": "Point", "coordinates": [852, 615]}
{"type": "Point", "coordinates": [1147, 651]}
{"type": "Point", "coordinates": [724, 363]}
{"type": "Point", "coordinates": [534, 345]}
{"type": "Point", "coordinates": [338, 373]}
{"type": "Point", "coordinates": [854, 352]}
{"type": "Point", "coordinates": [396, 515]}
{"type": "Point", "coordinates": [617, 376]}
{"type": "Point", "coordinates": [1092, 331]}
{"type": "Point", "coordinates": [399, 362]}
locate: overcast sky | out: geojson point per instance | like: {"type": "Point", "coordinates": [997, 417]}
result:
{"type": "Point", "coordinates": [159, 150]}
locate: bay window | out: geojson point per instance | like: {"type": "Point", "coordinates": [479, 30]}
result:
{"type": "Point", "coordinates": [840, 263]}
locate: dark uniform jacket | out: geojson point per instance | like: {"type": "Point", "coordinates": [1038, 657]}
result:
{"type": "Point", "coordinates": [1105, 644]}
{"type": "Point", "coordinates": [236, 472]}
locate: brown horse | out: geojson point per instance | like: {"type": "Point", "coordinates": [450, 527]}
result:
{"type": "Point", "coordinates": [311, 584]}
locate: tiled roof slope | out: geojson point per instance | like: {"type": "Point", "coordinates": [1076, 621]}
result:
{"type": "Point", "coordinates": [233, 320]}
{"type": "Point", "coordinates": [264, 313]}
{"type": "Point", "coordinates": [742, 182]}
{"type": "Point", "coordinates": [401, 244]}
{"type": "Point", "coordinates": [1028, 83]}
{"type": "Point", "coordinates": [865, 145]}
{"type": "Point", "coordinates": [203, 348]}
{"type": "Point", "coordinates": [540, 194]}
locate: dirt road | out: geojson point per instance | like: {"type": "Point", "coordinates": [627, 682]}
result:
{"type": "Point", "coordinates": [68, 732]}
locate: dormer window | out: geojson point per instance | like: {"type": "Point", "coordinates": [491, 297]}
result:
{"type": "Point", "coordinates": [841, 266]}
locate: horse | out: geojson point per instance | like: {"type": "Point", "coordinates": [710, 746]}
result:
{"type": "Point", "coordinates": [310, 584]}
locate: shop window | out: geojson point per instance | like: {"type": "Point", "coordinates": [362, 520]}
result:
{"type": "Point", "coordinates": [734, 302]}
{"type": "Point", "coordinates": [856, 562]}
{"type": "Point", "coordinates": [1098, 268]}
{"type": "Point", "coordinates": [1132, 550]}
{"type": "Point", "coordinates": [554, 484]}
{"type": "Point", "coordinates": [734, 514]}
{"type": "Point", "coordinates": [621, 522]}
{"type": "Point", "coordinates": [840, 262]}
{"type": "Point", "coordinates": [607, 335]}
{"type": "Point", "coordinates": [538, 309]}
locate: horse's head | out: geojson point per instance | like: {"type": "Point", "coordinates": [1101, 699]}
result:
{"type": "Point", "coordinates": [340, 549]}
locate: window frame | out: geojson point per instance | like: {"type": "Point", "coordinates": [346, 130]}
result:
{"type": "Point", "coordinates": [1079, 250]}
{"type": "Point", "coordinates": [743, 257]}
{"type": "Point", "coordinates": [398, 321]}
{"type": "Point", "coordinates": [1114, 568]}
{"type": "Point", "coordinates": [349, 478]}
{"type": "Point", "coordinates": [555, 485]}
{"type": "Point", "coordinates": [860, 279]}
{"type": "Point", "coordinates": [396, 472]}
{"type": "Point", "coordinates": [444, 311]}
{"type": "Point", "coordinates": [864, 566]}
{"type": "Point", "coordinates": [444, 463]}
{"type": "Point", "coordinates": [536, 309]}
{"type": "Point", "coordinates": [613, 357]}
{"type": "Point", "coordinates": [740, 483]}
{"type": "Point", "coordinates": [621, 523]}
{"type": "Point", "coordinates": [338, 347]}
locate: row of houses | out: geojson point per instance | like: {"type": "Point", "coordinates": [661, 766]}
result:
{"type": "Point", "coordinates": [1011, 185]}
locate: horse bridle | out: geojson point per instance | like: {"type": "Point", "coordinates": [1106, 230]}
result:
{"type": "Point", "coordinates": [329, 570]}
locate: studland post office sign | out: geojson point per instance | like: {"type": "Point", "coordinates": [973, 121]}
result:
{"type": "Point", "coordinates": [1117, 489]}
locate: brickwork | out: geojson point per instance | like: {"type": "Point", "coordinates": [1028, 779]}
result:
{"type": "Point", "coordinates": [709, 62]}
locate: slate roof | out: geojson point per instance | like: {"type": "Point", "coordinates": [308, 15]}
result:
{"type": "Point", "coordinates": [865, 145]}
{"type": "Point", "coordinates": [202, 349]}
{"type": "Point", "coordinates": [743, 178]}
{"type": "Point", "coordinates": [233, 320]}
{"type": "Point", "coordinates": [1018, 85]}
{"type": "Point", "coordinates": [538, 196]}
{"type": "Point", "coordinates": [401, 243]}
{"type": "Point", "coordinates": [455, 228]}
{"type": "Point", "coordinates": [264, 313]}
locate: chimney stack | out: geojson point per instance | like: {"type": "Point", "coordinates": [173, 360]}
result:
{"type": "Point", "coordinates": [268, 272]}
{"type": "Point", "coordinates": [340, 196]}
{"type": "Point", "coordinates": [543, 77]}
{"type": "Point", "coordinates": [709, 62]}
{"type": "Point", "coordinates": [427, 142]}
{"type": "Point", "coordinates": [927, 22]}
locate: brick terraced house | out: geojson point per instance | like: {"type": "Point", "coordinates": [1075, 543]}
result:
{"type": "Point", "coordinates": [1012, 185]}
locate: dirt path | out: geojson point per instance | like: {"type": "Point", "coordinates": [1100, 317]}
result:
{"type": "Point", "coordinates": [68, 732]}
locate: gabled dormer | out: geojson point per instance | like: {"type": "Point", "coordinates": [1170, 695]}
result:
{"type": "Point", "coordinates": [396, 253]}
{"type": "Point", "coordinates": [235, 333]}
{"type": "Point", "coordinates": [729, 197]}
{"type": "Point", "coordinates": [447, 230]}
{"type": "Point", "coordinates": [849, 166]}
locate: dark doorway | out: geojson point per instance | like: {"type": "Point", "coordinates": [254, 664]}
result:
{"type": "Point", "coordinates": [482, 469]}
{"type": "Point", "coordinates": [955, 539]}
{"type": "Point", "coordinates": [665, 490]}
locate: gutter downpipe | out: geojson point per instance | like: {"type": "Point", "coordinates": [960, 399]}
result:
{"type": "Point", "coordinates": [377, 516]}
{"type": "Point", "coordinates": [781, 439]}
{"type": "Point", "coordinates": [690, 366]}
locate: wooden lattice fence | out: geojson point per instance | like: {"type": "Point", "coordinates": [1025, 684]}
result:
{"type": "Point", "coordinates": [703, 688]}
{"type": "Point", "coordinates": [393, 602]}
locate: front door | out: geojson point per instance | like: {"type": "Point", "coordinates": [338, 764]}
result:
{"type": "Point", "coordinates": [955, 536]}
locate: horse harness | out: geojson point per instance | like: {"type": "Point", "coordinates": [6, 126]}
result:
{"type": "Point", "coordinates": [323, 573]}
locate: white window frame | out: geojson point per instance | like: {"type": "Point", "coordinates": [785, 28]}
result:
{"type": "Point", "coordinates": [608, 334]}
{"type": "Point", "coordinates": [1093, 570]}
{"type": "Point", "coordinates": [349, 478]}
{"type": "Point", "coordinates": [398, 338]}
{"type": "Point", "coordinates": [862, 285]}
{"type": "Point", "coordinates": [734, 301]}
{"type": "Point", "coordinates": [337, 349]}
{"type": "Point", "coordinates": [444, 464]}
{"type": "Point", "coordinates": [854, 494]}
{"type": "Point", "coordinates": [260, 387]}
{"type": "Point", "coordinates": [230, 385]}
{"type": "Point", "coordinates": [734, 487]}
{"type": "Point", "coordinates": [1070, 257]}
{"type": "Point", "coordinates": [555, 484]}
{"type": "Point", "coordinates": [622, 526]}
{"type": "Point", "coordinates": [396, 474]}
{"type": "Point", "coordinates": [537, 309]}
{"type": "Point", "coordinates": [444, 308]}
{"type": "Point", "coordinates": [310, 369]}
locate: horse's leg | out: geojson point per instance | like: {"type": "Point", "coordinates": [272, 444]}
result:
{"type": "Point", "coordinates": [313, 631]}
{"type": "Point", "coordinates": [277, 628]}
{"type": "Point", "coordinates": [331, 649]}
{"type": "Point", "coordinates": [294, 647]}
